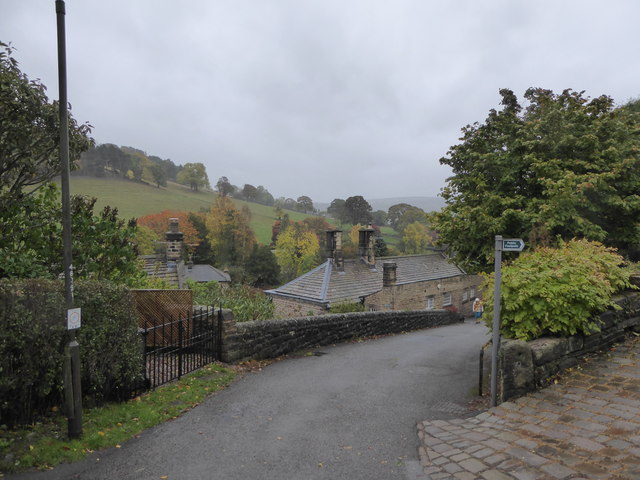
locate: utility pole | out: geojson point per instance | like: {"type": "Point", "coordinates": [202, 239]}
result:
{"type": "Point", "coordinates": [72, 383]}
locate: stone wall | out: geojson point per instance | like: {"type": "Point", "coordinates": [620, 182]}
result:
{"type": "Point", "coordinates": [463, 290]}
{"type": "Point", "coordinates": [289, 308]}
{"type": "Point", "coordinates": [524, 367]}
{"type": "Point", "coordinates": [272, 338]}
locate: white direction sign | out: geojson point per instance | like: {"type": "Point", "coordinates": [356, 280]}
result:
{"type": "Point", "coordinates": [512, 244]}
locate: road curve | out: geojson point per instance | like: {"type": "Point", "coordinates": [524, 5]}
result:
{"type": "Point", "coordinates": [348, 412]}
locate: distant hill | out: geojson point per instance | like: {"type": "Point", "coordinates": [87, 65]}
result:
{"type": "Point", "coordinates": [428, 204]}
{"type": "Point", "coordinates": [134, 199]}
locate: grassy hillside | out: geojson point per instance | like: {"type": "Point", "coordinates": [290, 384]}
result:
{"type": "Point", "coordinates": [135, 200]}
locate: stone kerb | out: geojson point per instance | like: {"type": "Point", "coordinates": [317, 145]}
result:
{"type": "Point", "coordinates": [525, 366]}
{"type": "Point", "coordinates": [273, 338]}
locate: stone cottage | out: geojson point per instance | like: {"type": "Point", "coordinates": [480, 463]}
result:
{"type": "Point", "coordinates": [410, 282]}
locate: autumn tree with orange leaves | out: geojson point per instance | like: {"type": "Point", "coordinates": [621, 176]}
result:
{"type": "Point", "coordinates": [159, 223]}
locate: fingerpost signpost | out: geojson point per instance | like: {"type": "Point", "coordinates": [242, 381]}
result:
{"type": "Point", "coordinates": [501, 245]}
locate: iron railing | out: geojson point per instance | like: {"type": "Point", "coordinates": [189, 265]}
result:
{"type": "Point", "coordinates": [179, 346]}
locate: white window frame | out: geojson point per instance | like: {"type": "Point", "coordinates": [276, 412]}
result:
{"type": "Point", "coordinates": [430, 304]}
{"type": "Point", "coordinates": [447, 299]}
{"type": "Point", "coordinates": [465, 295]}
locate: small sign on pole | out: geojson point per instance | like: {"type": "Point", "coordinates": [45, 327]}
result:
{"type": "Point", "coordinates": [512, 244]}
{"type": "Point", "coordinates": [506, 245]}
{"type": "Point", "coordinates": [73, 318]}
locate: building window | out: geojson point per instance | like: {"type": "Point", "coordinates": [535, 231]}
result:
{"type": "Point", "coordinates": [431, 303]}
{"type": "Point", "coordinates": [472, 293]}
{"type": "Point", "coordinates": [465, 295]}
{"type": "Point", "coordinates": [446, 299]}
{"type": "Point", "coordinates": [372, 308]}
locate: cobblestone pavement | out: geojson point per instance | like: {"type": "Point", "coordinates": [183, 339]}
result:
{"type": "Point", "coordinates": [586, 426]}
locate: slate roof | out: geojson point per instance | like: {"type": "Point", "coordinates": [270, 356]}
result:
{"type": "Point", "coordinates": [205, 273]}
{"type": "Point", "coordinates": [325, 284]}
{"type": "Point", "coordinates": [176, 273]}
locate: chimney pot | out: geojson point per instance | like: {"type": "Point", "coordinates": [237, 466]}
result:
{"type": "Point", "coordinates": [389, 271]}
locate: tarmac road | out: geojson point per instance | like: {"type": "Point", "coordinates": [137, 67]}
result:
{"type": "Point", "coordinates": [348, 412]}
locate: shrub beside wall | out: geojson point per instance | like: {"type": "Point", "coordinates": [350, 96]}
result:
{"type": "Point", "coordinates": [524, 367]}
{"type": "Point", "coordinates": [33, 337]}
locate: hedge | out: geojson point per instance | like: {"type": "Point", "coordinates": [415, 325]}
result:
{"type": "Point", "coordinates": [33, 337]}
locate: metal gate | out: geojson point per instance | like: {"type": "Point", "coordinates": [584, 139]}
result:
{"type": "Point", "coordinates": [179, 346]}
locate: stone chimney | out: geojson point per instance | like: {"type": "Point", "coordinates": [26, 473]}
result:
{"type": "Point", "coordinates": [389, 274]}
{"type": "Point", "coordinates": [334, 248]}
{"type": "Point", "coordinates": [174, 238]}
{"type": "Point", "coordinates": [366, 243]}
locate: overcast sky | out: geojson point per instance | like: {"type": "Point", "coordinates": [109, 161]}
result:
{"type": "Point", "coordinates": [325, 98]}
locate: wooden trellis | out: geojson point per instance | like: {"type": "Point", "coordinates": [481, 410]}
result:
{"type": "Point", "coordinates": [160, 307]}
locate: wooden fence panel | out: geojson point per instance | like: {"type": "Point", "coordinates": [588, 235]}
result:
{"type": "Point", "coordinates": [159, 307]}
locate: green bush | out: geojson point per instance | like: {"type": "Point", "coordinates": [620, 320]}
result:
{"type": "Point", "coordinates": [33, 337]}
{"type": "Point", "coordinates": [557, 291]}
{"type": "Point", "coordinates": [247, 303]}
{"type": "Point", "coordinates": [109, 342]}
{"type": "Point", "coordinates": [346, 307]}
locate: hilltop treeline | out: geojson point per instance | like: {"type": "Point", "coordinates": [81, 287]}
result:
{"type": "Point", "coordinates": [127, 162]}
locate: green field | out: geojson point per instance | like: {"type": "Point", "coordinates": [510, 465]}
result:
{"type": "Point", "coordinates": [135, 200]}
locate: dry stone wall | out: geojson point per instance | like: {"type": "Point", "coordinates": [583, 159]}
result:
{"type": "Point", "coordinates": [525, 366]}
{"type": "Point", "coordinates": [272, 338]}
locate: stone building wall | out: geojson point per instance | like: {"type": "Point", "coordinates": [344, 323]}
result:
{"type": "Point", "coordinates": [413, 296]}
{"type": "Point", "coordinates": [288, 308]}
{"type": "Point", "coordinates": [272, 338]}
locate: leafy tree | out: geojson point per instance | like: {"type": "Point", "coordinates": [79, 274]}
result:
{"type": "Point", "coordinates": [103, 245]}
{"type": "Point", "coordinates": [194, 175]}
{"type": "Point", "coordinates": [159, 176]}
{"type": "Point", "coordinates": [416, 238]}
{"type": "Point", "coordinates": [224, 187]}
{"type": "Point", "coordinates": [336, 210]}
{"type": "Point", "coordinates": [296, 251]}
{"type": "Point", "coordinates": [304, 204]}
{"type": "Point", "coordinates": [104, 158]}
{"type": "Point", "coordinates": [262, 267]}
{"type": "Point", "coordinates": [402, 214]}
{"type": "Point", "coordinates": [395, 213]}
{"type": "Point", "coordinates": [146, 240]}
{"type": "Point", "coordinates": [230, 235]}
{"type": "Point", "coordinates": [169, 168]}
{"type": "Point", "coordinates": [202, 253]}
{"type": "Point", "coordinates": [411, 215]}
{"type": "Point", "coordinates": [29, 135]}
{"type": "Point", "coordinates": [319, 226]}
{"type": "Point", "coordinates": [379, 217]}
{"type": "Point", "coordinates": [159, 223]}
{"type": "Point", "coordinates": [250, 193]}
{"type": "Point", "coordinates": [566, 166]}
{"type": "Point", "coordinates": [357, 210]}
{"type": "Point", "coordinates": [264, 197]}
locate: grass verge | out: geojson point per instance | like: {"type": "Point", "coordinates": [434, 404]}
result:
{"type": "Point", "coordinates": [45, 444]}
